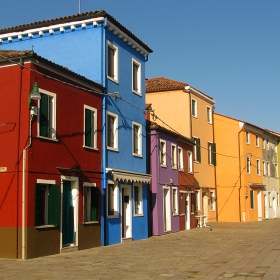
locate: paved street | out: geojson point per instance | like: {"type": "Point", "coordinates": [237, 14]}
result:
{"type": "Point", "coordinates": [224, 250]}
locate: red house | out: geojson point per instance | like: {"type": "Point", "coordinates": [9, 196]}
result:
{"type": "Point", "coordinates": [50, 157]}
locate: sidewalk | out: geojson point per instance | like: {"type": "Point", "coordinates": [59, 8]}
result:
{"type": "Point", "coordinates": [224, 250]}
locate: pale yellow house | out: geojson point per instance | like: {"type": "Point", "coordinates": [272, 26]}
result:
{"type": "Point", "coordinates": [239, 170]}
{"type": "Point", "coordinates": [188, 111]}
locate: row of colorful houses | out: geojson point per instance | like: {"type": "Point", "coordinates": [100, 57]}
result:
{"type": "Point", "coordinates": [94, 154]}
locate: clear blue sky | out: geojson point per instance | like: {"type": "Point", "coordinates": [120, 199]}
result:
{"type": "Point", "coordinates": [228, 49]}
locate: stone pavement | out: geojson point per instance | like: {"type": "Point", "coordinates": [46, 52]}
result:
{"type": "Point", "coordinates": [224, 250]}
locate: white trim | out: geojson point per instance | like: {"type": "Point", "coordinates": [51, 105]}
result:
{"type": "Point", "coordinates": [140, 199]}
{"type": "Point", "coordinates": [174, 160]}
{"type": "Point", "coordinates": [139, 139]}
{"type": "Point", "coordinates": [180, 159]}
{"type": "Point", "coordinates": [162, 154]}
{"type": "Point", "coordinates": [139, 77]}
{"type": "Point", "coordinates": [116, 199]}
{"type": "Point", "coordinates": [176, 206]}
{"type": "Point", "coordinates": [116, 129]}
{"type": "Point", "coordinates": [190, 162]}
{"type": "Point", "coordinates": [209, 114]}
{"type": "Point", "coordinates": [194, 113]}
{"type": "Point", "coordinates": [116, 61]}
{"type": "Point", "coordinates": [43, 181]}
{"type": "Point", "coordinates": [95, 127]}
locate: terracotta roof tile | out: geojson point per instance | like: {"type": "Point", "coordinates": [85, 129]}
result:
{"type": "Point", "coordinates": [13, 54]}
{"type": "Point", "coordinates": [163, 84]}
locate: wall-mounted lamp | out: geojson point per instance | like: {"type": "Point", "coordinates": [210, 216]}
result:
{"type": "Point", "coordinates": [34, 94]}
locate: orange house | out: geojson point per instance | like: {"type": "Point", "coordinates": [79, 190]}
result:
{"type": "Point", "coordinates": [178, 106]}
{"type": "Point", "coordinates": [239, 176]}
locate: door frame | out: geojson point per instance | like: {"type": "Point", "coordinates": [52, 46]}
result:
{"type": "Point", "coordinates": [129, 210]}
{"type": "Point", "coordinates": [75, 194]}
{"type": "Point", "coordinates": [166, 207]}
{"type": "Point", "coordinates": [188, 212]}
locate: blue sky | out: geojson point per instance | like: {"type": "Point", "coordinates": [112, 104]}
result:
{"type": "Point", "coordinates": [229, 50]}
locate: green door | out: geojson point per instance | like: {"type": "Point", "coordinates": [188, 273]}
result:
{"type": "Point", "coordinates": [67, 215]}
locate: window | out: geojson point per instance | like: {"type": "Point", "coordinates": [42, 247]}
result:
{"type": "Point", "coordinates": [211, 153]}
{"type": "Point", "coordinates": [264, 168]}
{"type": "Point", "coordinates": [268, 169]}
{"type": "Point", "coordinates": [136, 77]}
{"type": "Point", "coordinates": [276, 170]}
{"type": "Point", "coordinates": [137, 139]}
{"type": "Point", "coordinates": [138, 202]}
{"type": "Point", "coordinates": [257, 141]}
{"type": "Point", "coordinates": [197, 154]}
{"type": "Point", "coordinates": [190, 162]}
{"type": "Point", "coordinates": [112, 131]}
{"type": "Point", "coordinates": [47, 204]}
{"type": "Point", "coordinates": [90, 127]}
{"type": "Point", "coordinates": [263, 143]}
{"type": "Point", "coordinates": [162, 153]}
{"type": "Point", "coordinates": [180, 159]}
{"type": "Point", "coordinates": [112, 61]}
{"type": "Point", "coordinates": [212, 201]}
{"type": "Point", "coordinates": [252, 203]}
{"type": "Point", "coordinates": [197, 200]}
{"type": "Point", "coordinates": [267, 144]}
{"type": "Point", "coordinates": [175, 201]}
{"type": "Point", "coordinates": [173, 156]}
{"type": "Point", "coordinates": [194, 108]}
{"type": "Point", "coordinates": [47, 115]}
{"type": "Point", "coordinates": [248, 165]}
{"type": "Point", "coordinates": [112, 199]}
{"type": "Point", "coordinates": [182, 203]}
{"type": "Point", "coordinates": [91, 203]}
{"type": "Point", "coordinates": [258, 167]}
{"type": "Point", "coordinates": [209, 114]}
{"type": "Point", "coordinates": [247, 137]}
{"type": "Point", "coordinates": [269, 199]}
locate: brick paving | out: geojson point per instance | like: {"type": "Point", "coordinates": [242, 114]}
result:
{"type": "Point", "coordinates": [223, 250]}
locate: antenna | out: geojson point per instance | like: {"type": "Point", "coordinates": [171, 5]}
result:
{"type": "Point", "coordinates": [79, 6]}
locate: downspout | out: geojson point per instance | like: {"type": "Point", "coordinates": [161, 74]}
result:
{"type": "Point", "coordinates": [18, 148]}
{"type": "Point", "coordinates": [240, 183]}
{"type": "Point", "coordinates": [215, 170]}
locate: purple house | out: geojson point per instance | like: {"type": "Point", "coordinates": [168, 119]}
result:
{"type": "Point", "coordinates": [164, 187]}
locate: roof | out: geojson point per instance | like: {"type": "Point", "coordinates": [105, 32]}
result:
{"type": "Point", "coordinates": [10, 55]}
{"type": "Point", "coordinates": [73, 18]}
{"type": "Point", "coordinates": [163, 84]}
{"type": "Point", "coordinates": [153, 125]}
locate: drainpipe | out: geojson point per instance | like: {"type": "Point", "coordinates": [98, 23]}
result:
{"type": "Point", "coordinates": [215, 170]}
{"type": "Point", "coordinates": [240, 183]}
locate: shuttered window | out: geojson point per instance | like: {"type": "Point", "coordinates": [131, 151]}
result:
{"type": "Point", "coordinates": [90, 127]}
{"type": "Point", "coordinates": [197, 153]}
{"type": "Point", "coordinates": [91, 203]}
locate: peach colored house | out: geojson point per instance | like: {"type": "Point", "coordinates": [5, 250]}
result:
{"type": "Point", "coordinates": [188, 111]}
{"type": "Point", "coordinates": [239, 170]}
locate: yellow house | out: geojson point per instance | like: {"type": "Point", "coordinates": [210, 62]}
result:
{"type": "Point", "coordinates": [188, 111]}
{"type": "Point", "coordinates": [239, 174]}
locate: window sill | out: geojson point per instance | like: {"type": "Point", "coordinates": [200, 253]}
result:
{"type": "Point", "coordinates": [46, 226]}
{"type": "Point", "coordinates": [181, 169]}
{"type": "Point", "coordinates": [137, 93]}
{"type": "Point", "coordinates": [47, 138]}
{"type": "Point", "coordinates": [174, 167]}
{"type": "Point", "coordinates": [112, 216]}
{"type": "Point", "coordinates": [176, 214]}
{"type": "Point", "coordinates": [138, 215]}
{"type": "Point", "coordinates": [113, 149]}
{"type": "Point", "coordinates": [112, 79]}
{"type": "Point", "coordinates": [91, 223]}
{"type": "Point", "coordinates": [138, 155]}
{"type": "Point", "coordinates": [90, 148]}
{"type": "Point", "coordinates": [165, 166]}
{"type": "Point", "coordinates": [194, 116]}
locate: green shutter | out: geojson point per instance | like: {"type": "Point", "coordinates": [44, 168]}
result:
{"type": "Point", "coordinates": [44, 115]}
{"type": "Point", "coordinates": [94, 204]}
{"type": "Point", "coordinates": [214, 160]}
{"type": "Point", "coordinates": [38, 205]}
{"type": "Point", "coordinates": [54, 205]}
{"type": "Point", "coordinates": [88, 128]}
{"type": "Point", "coordinates": [198, 152]}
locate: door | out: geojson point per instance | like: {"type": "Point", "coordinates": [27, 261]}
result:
{"type": "Point", "coordinates": [260, 206]}
{"type": "Point", "coordinates": [265, 206]}
{"type": "Point", "coordinates": [188, 216]}
{"type": "Point", "coordinates": [166, 209]}
{"type": "Point", "coordinates": [126, 212]}
{"type": "Point", "coordinates": [67, 215]}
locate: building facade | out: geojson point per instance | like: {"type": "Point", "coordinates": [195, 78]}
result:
{"type": "Point", "coordinates": [51, 164]}
{"type": "Point", "coordinates": [107, 52]}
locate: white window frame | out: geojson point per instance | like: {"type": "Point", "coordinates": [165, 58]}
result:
{"type": "Point", "coordinates": [197, 199]}
{"type": "Point", "coordinates": [194, 107]}
{"type": "Point", "coordinates": [258, 167]}
{"type": "Point", "coordinates": [115, 132]}
{"type": "Point", "coordinates": [196, 149]}
{"type": "Point", "coordinates": [116, 62]}
{"type": "Point", "coordinates": [86, 201]}
{"type": "Point", "coordinates": [263, 143]}
{"type": "Point", "coordinates": [173, 156]}
{"type": "Point", "coordinates": [162, 153]}
{"type": "Point", "coordinates": [247, 137]}
{"type": "Point", "coordinates": [139, 77]}
{"type": "Point", "coordinates": [115, 199]}
{"type": "Point", "coordinates": [94, 131]}
{"type": "Point", "coordinates": [209, 114]}
{"type": "Point", "coordinates": [264, 168]}
{"type": "Point", "coordinates": [210, 154]}
{"type": "Point", "coordinates": [268, 169]}
{"type": "Point", "coordinates": [257, 141]}
{"type": "Point", "coordinates": [180, 159]}
{"type": "Point", "coordinates": [139, 139]}
{"type": "Point", "coordinates": [139, 199]}
{"type": "Point", "coordinates": [248, 165]}
{"type": "Point", "coordinates": [190, 162]}
{"type": "Point", "coordinates": [175, 204]}
{"type": "Point", "coordinates": [52, 133]}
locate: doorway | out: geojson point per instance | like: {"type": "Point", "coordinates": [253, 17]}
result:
{"type": "Point", "coordinates": [188, 216]}
{"type": "Point", "coordinates": [126, 212]}
{"type": "Point", "coordinates": [166, 209]}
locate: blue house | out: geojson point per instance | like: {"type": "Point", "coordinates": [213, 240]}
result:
{"type": "Point", "coordinates": [98, 47]}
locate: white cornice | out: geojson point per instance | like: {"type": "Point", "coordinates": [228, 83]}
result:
{"type": "Point", "coordinates": [199, 94]}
